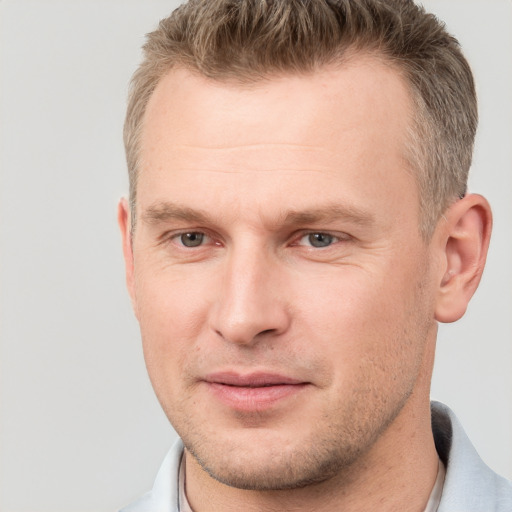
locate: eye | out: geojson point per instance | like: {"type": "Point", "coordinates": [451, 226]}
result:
{"type": "Point", "coordinates": [318, 240]}
{"type": "Point", "coordinates": [192, 239]}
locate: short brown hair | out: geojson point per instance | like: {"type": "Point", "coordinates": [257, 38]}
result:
{"type": "Point", "coordinates": [251, 40]}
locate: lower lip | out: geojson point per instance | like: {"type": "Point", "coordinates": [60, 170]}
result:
{"type": "Point", "coordinates": [248, 399]}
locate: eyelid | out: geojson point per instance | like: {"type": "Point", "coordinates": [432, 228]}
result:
{"type": "Point", "coordinates": [175, 234]}
{"type": "Point", "coordinates": [337, 236]}
{"type": "Point", "coordinates": [172, 235]}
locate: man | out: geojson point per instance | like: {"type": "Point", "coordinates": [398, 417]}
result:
{"type": "Point", "coordinates": [298, 224]}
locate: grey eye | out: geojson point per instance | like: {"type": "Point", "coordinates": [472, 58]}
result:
{"type": "Point", "coordinates": [193, 239]}
{"type": "Point", "coordinates": [320, 239]}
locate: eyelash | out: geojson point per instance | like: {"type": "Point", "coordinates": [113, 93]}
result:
{"type": "Point", "coordinates": [175, 238]}
{"type": "Point", "coordinates": [319, 236]}
{"type": "Point", "coordinates": [332, 239]}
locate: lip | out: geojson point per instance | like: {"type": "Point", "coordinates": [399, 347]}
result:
{"type": "Point", "coordinates": [254, 391]}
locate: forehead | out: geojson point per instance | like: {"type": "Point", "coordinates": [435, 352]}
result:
{"type": "Point", "coordinates": [363, 89]}
{"type": "Point", "coordinates": [295, 133]}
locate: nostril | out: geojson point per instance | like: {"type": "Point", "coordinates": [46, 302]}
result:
{"type": "Point", "coordinates": [234, 338]}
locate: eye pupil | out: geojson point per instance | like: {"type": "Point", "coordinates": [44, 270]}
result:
{"type": "Point", "coordinates": [320, 239]}
{"type": "Point", "coordinates": [191, 239]}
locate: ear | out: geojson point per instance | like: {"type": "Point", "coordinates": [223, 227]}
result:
{"type": "Point", "coordinates": [124, 221]}
{"type": "Point", "coordinates": [464, 239]}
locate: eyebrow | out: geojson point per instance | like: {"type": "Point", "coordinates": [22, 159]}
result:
{"type": "Point", "coordinates": [330, 213]}
{"type": "Point", "coordinates": [167, 212]}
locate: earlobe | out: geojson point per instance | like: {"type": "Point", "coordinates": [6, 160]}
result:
{"type": "Point", "coordinates": [465, 235]}
{"type": "Point", "coordinates": [123, 219]}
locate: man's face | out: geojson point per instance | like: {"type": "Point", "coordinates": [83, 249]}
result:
{"type": "Point", "coordinates": [280, 280]}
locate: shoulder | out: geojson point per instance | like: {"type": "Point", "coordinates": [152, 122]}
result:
{"type": "Point", "coordinates": [470, 485]}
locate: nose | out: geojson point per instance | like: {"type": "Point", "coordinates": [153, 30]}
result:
{"type": "Point", "coordinates": [251, 304]}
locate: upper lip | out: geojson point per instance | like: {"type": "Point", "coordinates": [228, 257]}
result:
{"type": "Point", "coordinates": [252, 380]}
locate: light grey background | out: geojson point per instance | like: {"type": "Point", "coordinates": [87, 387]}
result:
{"type": "Point", "coordinates": [80, 429]}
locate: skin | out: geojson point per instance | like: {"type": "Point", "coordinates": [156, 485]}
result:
{"type": "Point", "coordinates": [307, 263]}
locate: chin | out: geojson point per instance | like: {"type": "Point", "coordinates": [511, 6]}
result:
{"type": "Point", "coordinates": [273, 466]}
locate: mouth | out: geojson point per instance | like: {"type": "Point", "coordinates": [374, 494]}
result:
{"type": "Point", "coordinates": [253, 392]}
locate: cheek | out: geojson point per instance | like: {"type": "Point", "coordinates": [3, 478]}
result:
{"type": "Point", "coordinates": [170, 299]}
{"type": "Point", "coordinates": [359, 319]}
{"type": "Point", "coordinates": [172, 314]}
{"type": "Point", "coordinates": [350, 301]}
